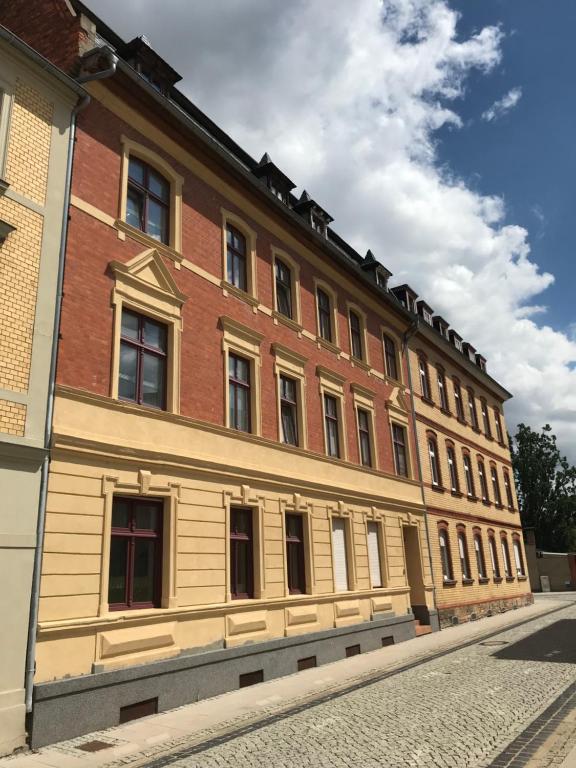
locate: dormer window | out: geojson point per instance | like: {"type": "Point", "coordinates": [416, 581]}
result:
{"type": "Point", "coordinates": [276, 181]}
{"type": "Point", "coordinates": [277, 192]}
{"type": "Point", "coordinates": [381, 278]}
{"type": "Point", "coordinates": [425, 312]}
{"type": "Point", "coordinates": [406, 296]}
{"type": "Point", "coordinates": [318, 225]}
{"type": "Point", "coordinates": [315, 215]}
{"type": "Point", "coordinates": [456, 340]}
{"type": "Point", "coordinates": [140, 55]}
{"type": "Point", "coordinates": [379, 274]}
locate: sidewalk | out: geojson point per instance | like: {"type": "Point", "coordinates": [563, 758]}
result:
{"type": "Point", "coordinates": [137, 742]}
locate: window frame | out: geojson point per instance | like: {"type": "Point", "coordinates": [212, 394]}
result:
{"type": "Point", "coordinates": [388, 340]}
{"type": "Point", "coordinates": [445, 553]}
{"type": "Point", "coordinates": [291, 365]}
{"type": "Point", "coordinates": [363, 400]}
{"type": "Point", "coordinates": [481, 466]}
{"type": "Point", "coordinates": [499, 428]}
{"type": "Point", "coordinates": [131, 534]}
{"type": "Point", "coordinates": [518, 556]}
{"type": "Point", "coordinates": [480, 557]}
{"type": "Point", "coordinates": [508, 489]}
{"type": "Point", "coordinates": [173, 248]}
{"type": "Point", "coordinates": [332, 313]}
{"type": "Point", "coordinates": [424, 379]}
{"type": "Point", "coordinates": [146, 195]}
{"type": "Point", "coordinates": [452, 469]}
{"type": "Point", "coordinates": [434, 458]}
{"type": "Point", "coordinates": [494, 560]}
{"type": "Point", "coordinates": [250, 293]}
{"type": "Point", "coordinates": [331, 425]}
{"type": "Point", "coordinates": [442, 390]}
{"type": "Point", "coordinates": [234, 254]}
{"type": "Point", "coordinates": [300, 543]}
{"type": "Point", "coordinates": [376, 526]}
{"type": "Point", "coordinates": [295, 321]}
{"type": "Point", "coordinates": [486, 418]}
{"type": "Point", "coordinates": [508, 575]}
{"type": "Point", "coordinates": [239, 385]}
{"type": "Point", "coordinates": [403, 427]}
{"type": "Point", "coordinates": [349, 553]}
{"type": "Point", "coordinates": [472, 411]}
{"type": "Point", "coordinates": [142, 350]}
{"type": "Point", "coordinates": [463, 554]}
{"type": "Point", "coordinates": [460, 413]}
{"type": "Point", "coordinates": [365, 439]}
{"type": "Point", "coordinates": [495, 485]}
{"type": "Point", "coordinates": [250, 594]}
{"type": "Point", "coordinates": [469, 474]}
{"type": "Point", "coordinates": [361, 333]}
{"type": "Point", "coordinates": [331, 384]}
{"type": "Point", "coordinates": [6, 100]}
{"type": "Point", "coordinates": [243, 342]}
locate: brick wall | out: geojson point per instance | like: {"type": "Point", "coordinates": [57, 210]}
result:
{"type": "Point", "coordinates": [12, 418]}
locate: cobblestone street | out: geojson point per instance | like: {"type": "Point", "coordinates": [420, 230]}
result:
{"type": "Point", "coordinates": [459, 710]}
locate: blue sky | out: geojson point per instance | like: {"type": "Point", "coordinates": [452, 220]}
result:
{"type": "Point", "coordinates": [528, 156]}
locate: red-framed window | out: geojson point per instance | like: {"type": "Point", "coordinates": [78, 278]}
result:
{"type": "Point", "coordinates": [390, 357]}
{"type": "Point", "coordinates": [148, 200]}
{"type": "Point", "coordinates": [400, 451]}
{"type": "Point", "coordinates": [283, 289]}
{"type": "Point", "coordinates": [236, 258]}
{"type": "Point", "coordinates": [356, 344]}
{"type": "Point", "coordinates": [496, 485]}
{"type": "Point", "coordinates": [453, 470]}
{"type": "Point", "coordinates": [445, 556]}
{"type": "Point", "coordinates": [324, 314]}
{"type": "Point", "coordinates": [331, 426]}
{"type": "Point", "coordinates": [239, 393]}
{"type": "Point", "coordinates": [289, 410]}
{"type": "Point", "coordinates": [364, 437]}
{"type": "Point", "coordinates": [295, 554]}
{"type": "Point", "coordinates": [241, 554]}
{"type": "Point", "coordinates": [135, 571]}
{"type": "Point", "coordinates": [458, 400]}
{"type": "Point", "coordinates": [143, 357]}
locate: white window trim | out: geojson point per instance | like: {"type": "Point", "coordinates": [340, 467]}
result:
{"type": "Point", "coordinates": [245, 342]}
{"type": "Point", "coordinates": [291, 364]}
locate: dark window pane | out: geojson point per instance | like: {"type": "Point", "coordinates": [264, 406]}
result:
{"type": "Point", "coordinates": [144, 570]}
{"type": "Point", "coordinates": [118, 567]}
{"type": "Point", "coordinates": [157, 224]}
{"type": "Point", "coordinates": [153, 380]}
{"type": "Point", "coordinates": [283, 289]}
{"type": "Point", "coordinates": [128, 372]}
{"type": "Point", "coordinates": [135, 208]}
{"type": "Point", "coordinates": [130, 325]}
{"type": "Point", "coordinates": [158, 186]}
{"type": "Point", "coordinates": [146, 517]}
{"type": "Point", "coordinates": [120, 514]}
{"type": "Point", "coordinates": [242, 586]}
{"type": "Point", "coordinates": [136, 170]}
{"type": "Point", "coordinates": [154, 335]}
{"type": "Point", "coordinates": [289, 429]}
{"type": "Point", "coordinates": [241, 522]}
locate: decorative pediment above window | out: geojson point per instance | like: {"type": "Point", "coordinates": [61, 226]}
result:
{"type": "Point", "coordinates": [397, 405]}
{"type": "Point", "coordinates": [146, 281]}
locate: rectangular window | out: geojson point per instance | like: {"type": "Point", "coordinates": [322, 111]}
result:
{"type": "Point", "coordinates": [469, 476]}
{"type": "Point", "coordinates": [453, 470]}
{"type": "Point", "coordinates": [486, 420]}
{"type": "Point", "coordinates": [434, 465]}
{"type": "Point", "coordinates": [479, 549]}
{"type": "Point", "coordinates": [239, 393]}
{"type": "Point", "coordinates": [494, 557]}
{"type": "Point", "coordinates": [442, 390]}
{"type": "Point", "coordinates": [472, 409]}
{"type": "Point", "coordinates": [340, 554]}
{"type": "Point", "coordinates": [148, 200]}
{"type": "Point", "coordinates": [424, 381]}
{"type": "Point", "coordinates": [324, 315]}
{"type": "Point", "coordinates": [508, 488]}
{"type": "Point", "coordinates": [283, 289]}
{"type": "Point", "coordinates": [463, 551]}
{"type": "Point", "coordinates": [356, 336]}
{"type": "Point", "coordinates": [518, 557]}
{"type": "Point", "coordinates": [483, 482]}
{"type": "Point", "coordinates": [400, 452]}
{"type": "Point", "coordinates": [374, 555]}
{"type": "Point", "coordinates": [236, 258]}
{"type": "Point", "coordinates": [142, 370]}
{"type": "Point", "coordinates": [445, 555]}
{"type": "Point", "coordinates": [364, 437]}
{"type": "Point", "coordinates": [390, 358]}
{"type": "Point", "coordinates": [241, 554]}
{"type": "Point", "coordinates": [295, 555]}
{"type": "Point", "coordinates": [288, 411]}
{"type": "Point", "coordinates": [496, 486]}
{"type": "Point", "coordinates": [506, 558]}
{"type": "Point", "coordinates": [498, 422]}
{"type": "Point", "coordinates": [331, 426]}
{"type": "Point", "coordinates": [135, 554]}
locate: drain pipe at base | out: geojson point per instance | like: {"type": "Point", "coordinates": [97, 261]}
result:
{"type": "Point", "coordinates": [412, 330]}
{"type": "Point", "coordinates": [40, 528]}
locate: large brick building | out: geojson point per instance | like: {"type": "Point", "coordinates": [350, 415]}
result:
{"type": "Point", "coordinates": [235, 480]}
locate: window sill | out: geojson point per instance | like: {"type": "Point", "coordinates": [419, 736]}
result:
{"type": "Point", "coordinates": [462, 421]}
{"type": "Point", "coordinates": [467, 582]}
{"type": "Point", "coordinates": [328, 345]}
{"type": "Point", "coordinates": [449, 582]}
{"type": "Point", "coordinates": [3, 186]}
{"type": "Point", "coordinates": [437, 488]}
{"type": "Point", "coordinates": [472, 498]}
{"type": "Point", "coordinates": [483, 580]}
{"type": "Point", "coordinates": [511, 509]}
{"type": "Point", "coordinates": [228, 288]}
{"type": "Point", "coordinates": [489, 437]}
{"type": "Point", "coordinates": [478, 431]}
{"type": "Point", "coordinates": [502, 445]}
{"type": "Point", "coordinates": [142, 237]}
{"type": "Point", "coordinates": [522, 578]}
{"type": "Point", "coordinates": [428, 401]}
{"type": "Point", "coordinates": [497, 579]}
{"type": "Point", "coordinates": [499, 506]}
{"type": "Point", "coordinates": [445, 412]}
{"type": "Point", "coordinates": [509, 578]}
{"type": "Point", "coordinates": [287, 321]}
{"type": "Point", "coordinates": [360, 363]}
{"type": "Point", "coordinates": [486, 503]}
{"type": "Point", "coordinates": [456, 494]}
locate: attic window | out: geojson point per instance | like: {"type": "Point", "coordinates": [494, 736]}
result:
{"type": "Point", "coordinates": [427, 316]}
{"type": "Point", "coordinates": [381, 279]}
{"type": "Point", "coordinates": [318, 225]}
{"type": "Point", "coordinates": [277, 192]}
{"type": "Point", "coordinates": [152, 78]}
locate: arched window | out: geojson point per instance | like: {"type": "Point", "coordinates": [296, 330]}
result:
{"type": "Point", "coordinates": [494, 555]}
{"type": "Point", "coordinates": [148, 200]}
{"type": "Point", "coordinates": [283, 288]}
{"type": "Point", "coordinates": [453, 470]}
{"type": "Point", "coordinates": [496, 486]}
{"type": "Point", "coordinates": [472, 409]}
{"type": "Point", "coordinates": [506, 556]}
{"type": "Point", "coordinates": [424, 378]}
{"type": "Point", "coordinates": [483, 482]}
{"type": "Point", "coordinates": [463, 553]}
{"type": "Point", "coordinates": [469, 476]}
{"type": "Point", "coordinates": [508, 489]}
{"type": "Point", "coordinates": [518, 557]}
{"type": "Point", "coordinates": [390, 358]}
{"type": "Point", "coordinates": [434, 463]}
{"type": "Point", "coordinates": [445, 557]}
{"type": "Point", "coordinates": [442, 392]}
{"type": "Point", "coordinates": [236, 252]}
{"type": "Point", "coordinates": [458, 401]}
{"type": "Point", "coordinates": [479, 550]}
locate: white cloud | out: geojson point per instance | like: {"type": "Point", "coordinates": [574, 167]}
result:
{"type": "Point", "coordinates": [347, 102]}
{"type": "Point", "coordinates": [503, 105]}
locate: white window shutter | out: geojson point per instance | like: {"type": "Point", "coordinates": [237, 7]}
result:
{"type": "Point", "coordinates": [374, 555]}
{"type": "Point", "coordinates": [339, 554]}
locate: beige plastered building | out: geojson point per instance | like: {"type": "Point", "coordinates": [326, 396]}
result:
{"type": "Point", "coordinates": [36, 103]}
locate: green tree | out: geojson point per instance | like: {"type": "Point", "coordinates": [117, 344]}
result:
{"type": "Point", "coordinates": [546, 487]}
